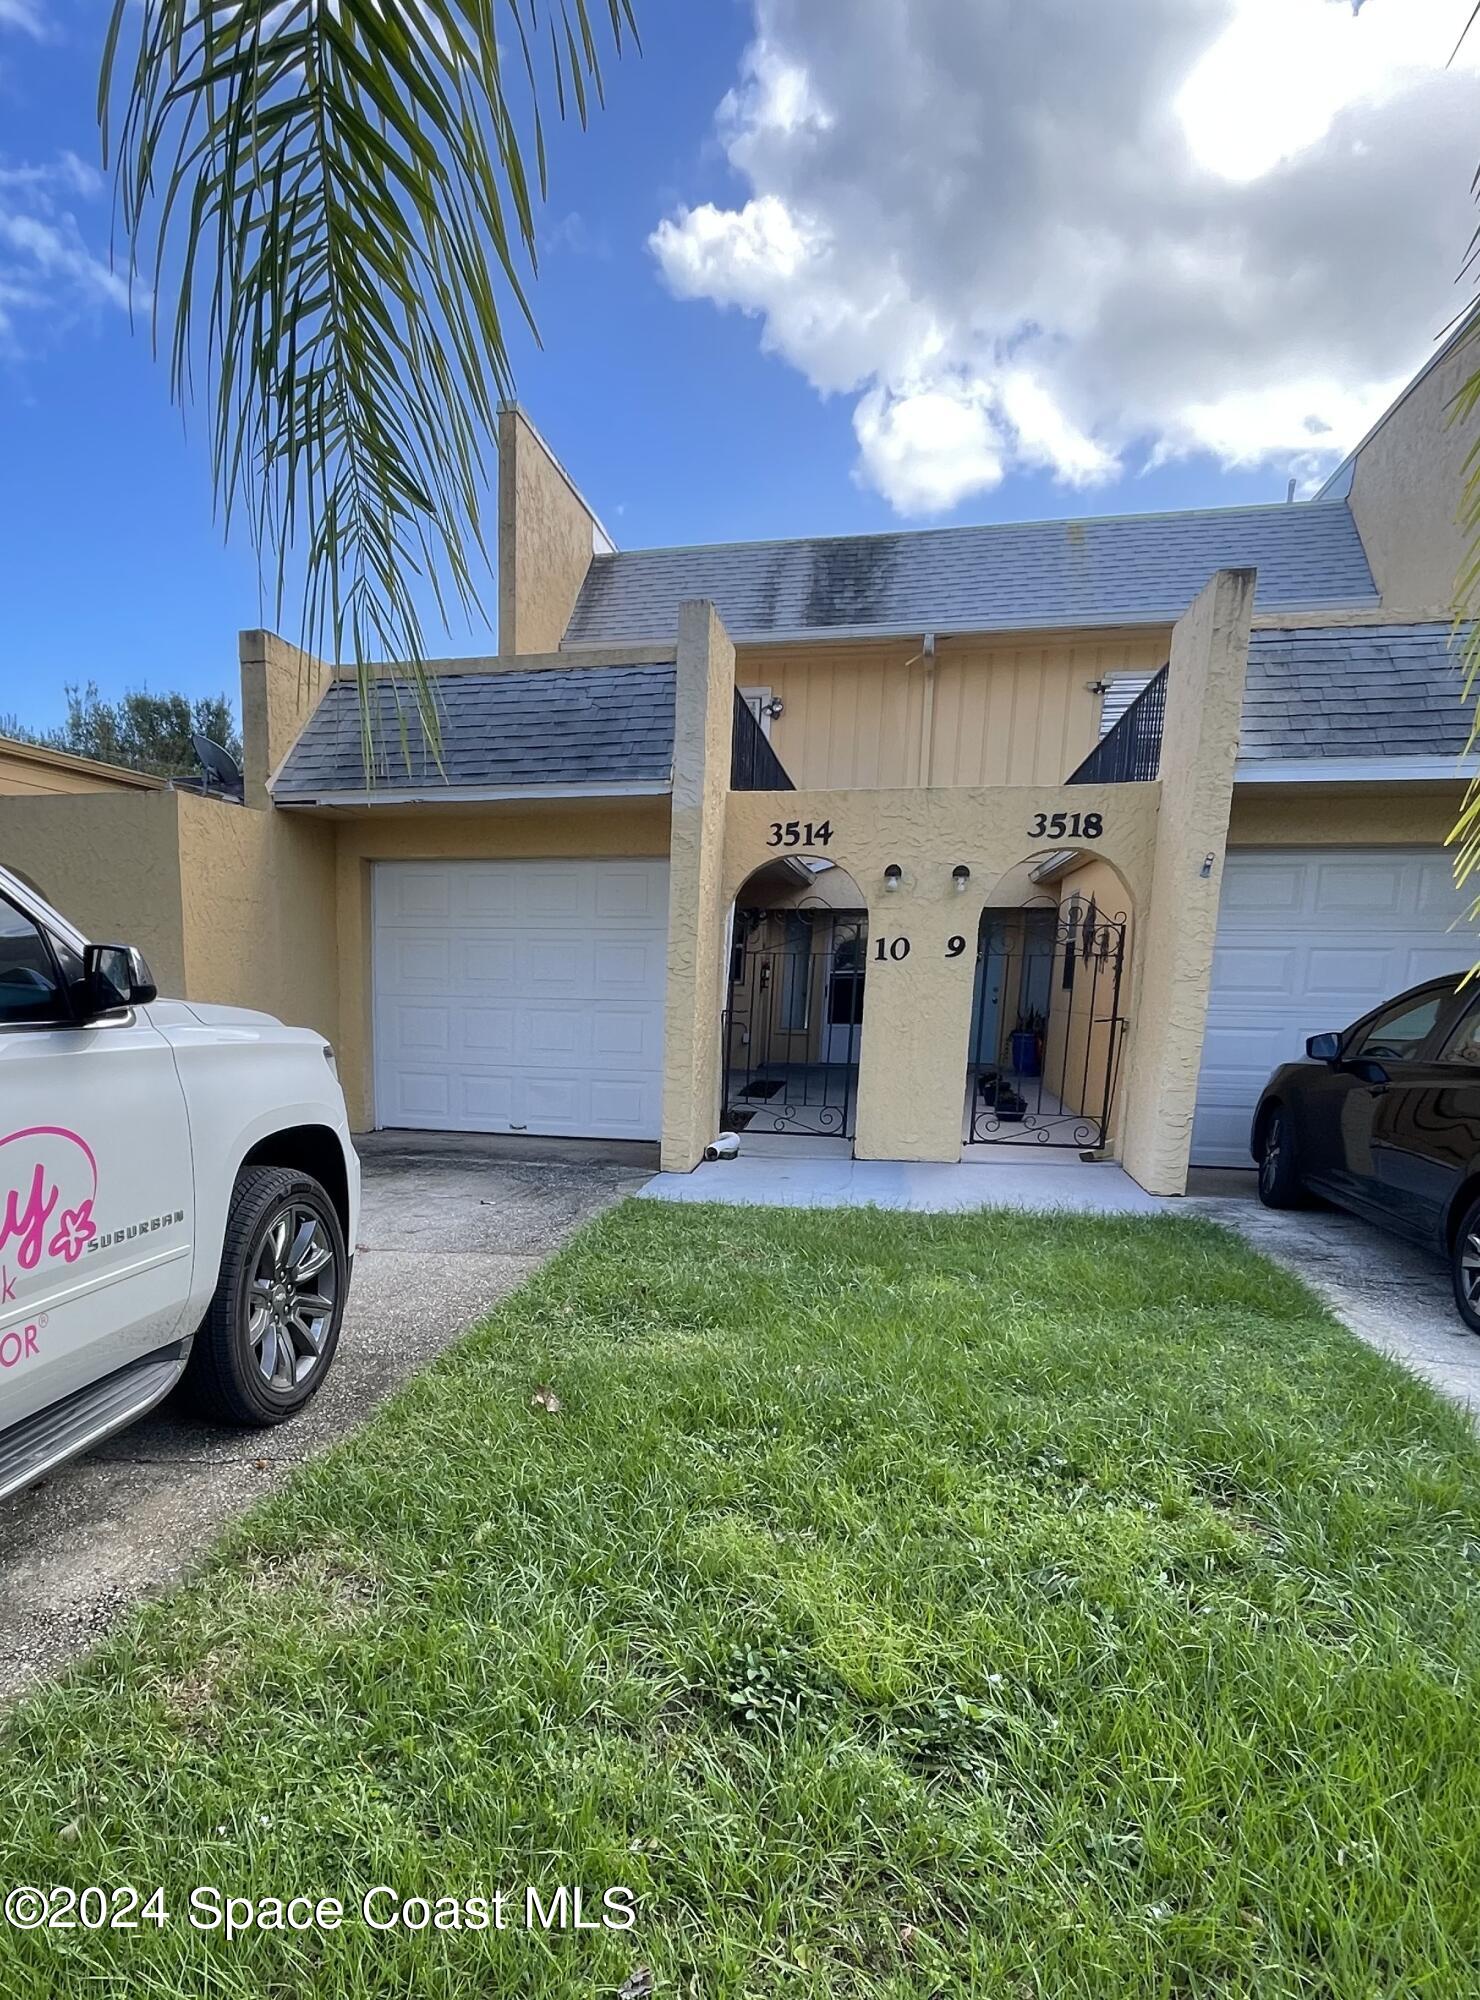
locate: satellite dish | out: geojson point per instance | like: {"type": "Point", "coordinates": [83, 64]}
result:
{"type": "Point", "coordinates": [221, 768]}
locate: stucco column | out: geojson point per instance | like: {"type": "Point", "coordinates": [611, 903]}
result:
{"type": "Point", "coordinates": [1174, 941]}
{"type": "Point", "coordinates": [281, 688]}
{"type": "Point", "coordinates": [917, 997]}
{"type": "Point", "coordinates": [703, 723]}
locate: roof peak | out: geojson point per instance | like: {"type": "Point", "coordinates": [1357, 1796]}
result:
{"type": "Point", "coordinates": [977, 527]}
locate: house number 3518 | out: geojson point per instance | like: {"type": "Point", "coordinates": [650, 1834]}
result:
{"type": "Point", "coordinates": [1066, 826]}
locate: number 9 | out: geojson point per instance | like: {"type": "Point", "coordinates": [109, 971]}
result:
{"type": "Point", "coordinates": [955, 946]}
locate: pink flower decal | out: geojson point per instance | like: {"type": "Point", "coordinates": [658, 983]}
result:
{"type": "Point", "coordinates": [75, 1231]}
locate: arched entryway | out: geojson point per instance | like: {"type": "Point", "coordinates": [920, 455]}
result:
{"type": "Point", "coordinates": [1048, 1019]}
{"type": "Point", "coordinates": [793, 1020]}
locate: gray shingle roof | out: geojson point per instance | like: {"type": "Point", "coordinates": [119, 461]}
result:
{"type": "Point", "coordinates": [578, 726]}
{"type": "Point", "coordinates": [1354, 691]}
{"type": "Point", "coordinates": [1140, 567]}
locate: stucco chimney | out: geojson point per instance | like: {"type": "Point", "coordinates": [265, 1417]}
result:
{"type": "Point", "coordinates": [547, 536]}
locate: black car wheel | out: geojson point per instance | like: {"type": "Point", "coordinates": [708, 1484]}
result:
{"type": "Point", "coordinates": [1279, 1174]}
{"type": "Point", "coordinates": [1464, 1265]}
{"type": "Point", "coordinates": [270, 1334]}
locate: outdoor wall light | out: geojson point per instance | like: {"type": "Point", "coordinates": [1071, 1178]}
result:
{"type": "Point", "coordinates": [893, 875]}
{"type": "Point", "coordinates": [960, 875]}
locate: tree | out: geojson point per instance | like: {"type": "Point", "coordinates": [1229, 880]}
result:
{"type": "Point", "coordinates": [339, 197]}
{"type": "Point", "coordinates": [142, 731]}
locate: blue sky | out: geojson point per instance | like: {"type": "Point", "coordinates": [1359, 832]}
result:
{"type": "Point", "coordinates": [877, 296]}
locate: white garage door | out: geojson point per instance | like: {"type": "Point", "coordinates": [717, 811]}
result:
{"type": "Point", "coordinates": [520, 996]}
{"type": "Point", "coordinates": [1308, 939]}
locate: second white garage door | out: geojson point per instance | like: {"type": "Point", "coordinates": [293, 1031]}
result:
{"type": "Point", "coordinates": [1308, 939]}
{"type": "Point", "coordinates": [520, 996]}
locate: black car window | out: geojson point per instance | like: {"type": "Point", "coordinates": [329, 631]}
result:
{"type": "Point", "coordinates": [1400, 1031]}
{"type": "Point", "coordinates": [1463, 1045]}
{"type": "Point", "coordinates": [30, 988]}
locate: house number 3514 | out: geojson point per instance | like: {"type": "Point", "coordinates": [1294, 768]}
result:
{"type": "Point", "coordinates": [799, 833]}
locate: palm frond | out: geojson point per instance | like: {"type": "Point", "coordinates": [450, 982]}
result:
{"type": "Point", "coordinates": [341, 206]}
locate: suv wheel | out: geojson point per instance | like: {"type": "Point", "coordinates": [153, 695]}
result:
{"type": "Point", "coordinates": [1279, 1177]}
{"type": "Point", "coordinates": [273, 1325]}
{"type": "Point", "coordinates": [1464, 1264]}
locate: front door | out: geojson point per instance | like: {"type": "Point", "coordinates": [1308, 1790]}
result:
{"type": "Point", "coordinates": [843, 1028]}
{"type": "Point", "coordinates": [986, 1002]}
{"type": "Point", "coordinates": [97, 1216]}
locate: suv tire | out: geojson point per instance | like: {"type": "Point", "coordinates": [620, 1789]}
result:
{"type": "Point", "coordinates": [270, 1332]}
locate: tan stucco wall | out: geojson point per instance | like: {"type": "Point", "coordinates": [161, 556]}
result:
{"type": "Point", "coordinates": [1343, 816]}
{"type": "Point", "coordinates": [545, 539]}
{"type": "Point", "coordinates": [1009, 711]}
{"type": "Point", "coordinates": [698, 908]}
{"type": "Point", "coordinates": [595, 828]}
{"type": "Point", "coordinates": [258, 913]}
{"type": "Point", "coordinates": [1406, 488]}
{"type": "Point", "coordinates": [281, 688]}
{"type": "Point", "coordinates": [33, 772]}
{"type": "Point", "coordinates": [226, 904]}
{"type": "Point", "coordinates": [917, 1015]}
{"type": "Point", "coordinates": [1173, 966]}
{"type": "Point", "coordinates": [109, 861]}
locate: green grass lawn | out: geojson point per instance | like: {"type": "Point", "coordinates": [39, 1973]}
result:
{"type": "Point", "coordinates": [897, 1605]}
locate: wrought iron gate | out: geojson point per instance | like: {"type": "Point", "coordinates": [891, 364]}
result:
{"type": "Point", "coordinates": [794, 1022]}
{"type": "Point", "coordinates": [1046, 1027]}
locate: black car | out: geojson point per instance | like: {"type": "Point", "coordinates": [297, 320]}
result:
{"type": "Point", "coordinates": [1384, 1119]}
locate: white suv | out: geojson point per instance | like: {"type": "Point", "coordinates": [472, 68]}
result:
{"type": "Point", "coordinates": [178, 1198]}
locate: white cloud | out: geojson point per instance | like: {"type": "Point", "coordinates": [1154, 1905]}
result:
{"type": "Point", "coordinates": [1088, 238]}
{"type": "Point", "coordinates": [48, 271]}
{"type": "Point", "coordinates": [24, 15]}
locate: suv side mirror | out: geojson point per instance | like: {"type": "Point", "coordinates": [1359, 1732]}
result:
{"type": "Point", "coordinates": [114, 976]}
{"type": "Point", "coordinates": [1324, 1048]}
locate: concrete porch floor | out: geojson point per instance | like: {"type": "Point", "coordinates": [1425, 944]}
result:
{"type": "Point", "coordinates": [803, 1180]}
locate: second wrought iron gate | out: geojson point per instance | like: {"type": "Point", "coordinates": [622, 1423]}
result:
{"type": "Point", "coordinates": [1046, 1027]}
{"type": "Point", "coordinates": [794, 1022]}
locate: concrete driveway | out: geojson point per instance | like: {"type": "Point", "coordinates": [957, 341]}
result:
{"type": "Point", "coordinates": [1394, 1297]}
{"type": "Point", "coordinates": [447, 1227]}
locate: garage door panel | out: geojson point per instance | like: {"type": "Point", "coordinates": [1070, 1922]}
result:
{"type": "Point", "coordinates": [416, 960]}
{"type": "Point", "coordinates": [619, 1102]}
{"type": "Point", "coordinates": [622, 1036]}
{"type": "Point", "coordinates": [1437, 899]}
{"type": "Point", "coordinates": [489, 1034]}
{"type": "Point", "coordinates": [1259, 890]}
{"type": "Point", "coordinates": [1347, 888]}
{"type": "Point", "coordinates": [419, 1032]}
{"type": "Point", "coordinates": [621, 967]}
{"type": "Point", "coordinates": [630, 893]}
{"type": "Point", "coordinates": [1252, 971]}
{"type": "Point", "coordinates": [557, 967]}
{"type": "Point", "coordinates": [487, 965]}
{"type": "Point", "coordinates": [555, 1035]}
{"type": "Point", "coordinates": [532, 1002]}
{"type": "Point", "coordinates": [1369, 923]}
{"type": "Point", "coordinates": [422, 1095]}
{"type": "Point", "coordinates": [424, 894]}
{"type": "Point", "coordinates": [1429, 962]}
{"type": "Point", "coordinates": [482, 892]}
{"type": "Point", "coordinates": [485, 1102]}
{"type": "Point", "coordinates": [1343, 969]}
